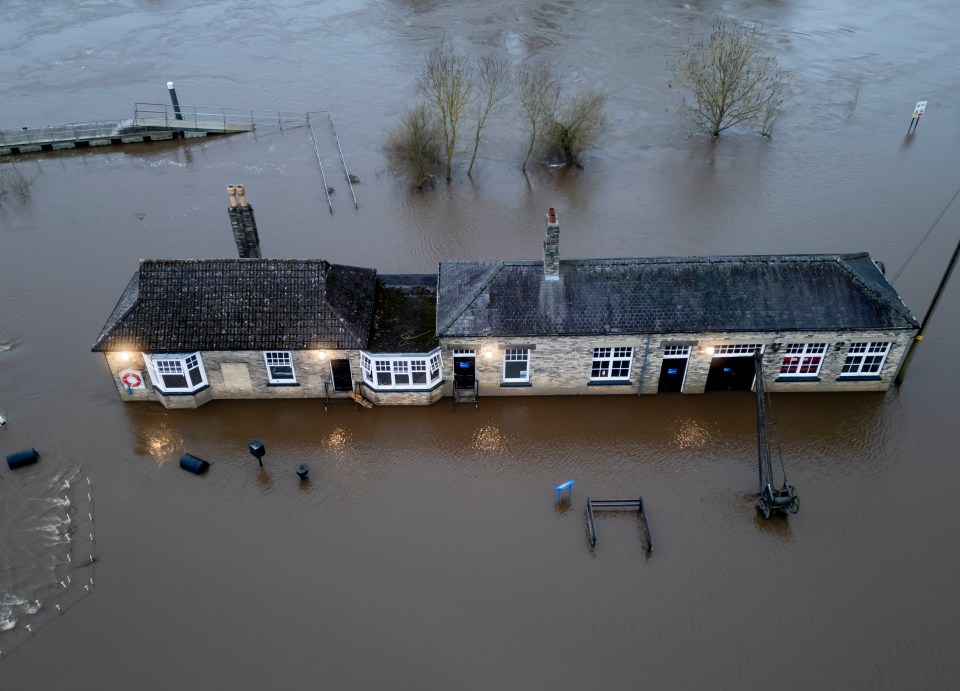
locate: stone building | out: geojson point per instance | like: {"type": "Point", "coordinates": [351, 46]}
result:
{"type": "Point", "coordinates": [185, 332]}
{"type": "Point", "coordinates": [689, 324]}
{"type": "Point", "coordinates": [189, 331]}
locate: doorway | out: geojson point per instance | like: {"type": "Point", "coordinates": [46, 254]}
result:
{"type": "Point", "coordinates": [672, 373]}
{"type": "Point", "coordinates": [731, 373]}
{"type": "Point", "coordinates": [342, 376]}
{"type": "Point", "coordinates": [464, 371]}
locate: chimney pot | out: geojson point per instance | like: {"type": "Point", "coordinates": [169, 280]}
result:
{"type": "Point", "coordinates": [232, 193]}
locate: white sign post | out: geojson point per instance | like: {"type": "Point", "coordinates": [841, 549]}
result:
{"type": "Point", "coordinates": [917, 114]}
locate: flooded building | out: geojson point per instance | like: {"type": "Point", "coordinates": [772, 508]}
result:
{"type": "Point", "coordinates": [188, 331]}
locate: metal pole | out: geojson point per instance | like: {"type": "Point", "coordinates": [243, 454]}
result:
{"type": "Point", "coordinates": [344, 161]}
{"type": "Point", "coordinates": [174, 101]}
{"type": "Point", "coordinates": [926, 318]}
{"type": "Point", "coordinates": [326, 189]}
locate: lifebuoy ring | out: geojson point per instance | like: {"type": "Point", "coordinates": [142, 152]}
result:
{"type": "Point", "coordinates": [131, 379]}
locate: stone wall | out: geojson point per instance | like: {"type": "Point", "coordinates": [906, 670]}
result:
{"type": "Point", "coordinates": [561, 365]}
{"type": "Point", "coordinates": [238, 375]}
{"type": "Point", "coordinates": [394, 398]}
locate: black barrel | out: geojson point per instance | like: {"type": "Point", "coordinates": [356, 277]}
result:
{"type": "Point", "coordinates": [193, 464]}
{"type": "Point", "coordinates": [257, 449]}
{"type": "Point", "coordinates": [22, 458]}
{"type": "Point", "coordinates": [303, 470]}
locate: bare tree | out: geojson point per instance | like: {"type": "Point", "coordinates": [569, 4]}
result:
{"type": "Point", "coordinates": [446, 81]}
{"type": "Point", "coordinates": [494, 84]}
{"type": "Point", "coordinates": [576, 127]}
{"type": "Point", "coordinates": [733, 79]}
{"type": "Point", "coordinates": [14, 186]}
{"type": "Point", "coordinates": [417, 142]}
{"type": "Point", "coordinates": [539, 93]}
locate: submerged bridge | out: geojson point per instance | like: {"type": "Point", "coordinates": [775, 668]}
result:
{"type": "Point", "coordinates": [150, 122]}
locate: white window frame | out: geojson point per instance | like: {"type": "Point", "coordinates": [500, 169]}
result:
{"type": "Point", "coordinates": [187, 365]}
{"type": "Point", "coordinates": [737, 349]}
{"type": "Point", "coordinates": [676, 351]}
{"type": "Point", "coordinates": [516, 355]}
{"type": "Point", "coordinates": [277, 359]}
{"type": "Point", "coordinates": [862, 359]}
{"type": "Point", "coordinates": [396, 371]}
{"type": "Point", "coordinates": [607, 356]}
{"type": "Point", "coordinates": [804, 359]}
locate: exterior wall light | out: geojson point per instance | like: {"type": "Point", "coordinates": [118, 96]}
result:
{"type": "Point", "coordinates": [322, 355]}
{"type": "Point", "coordinates": [710, 350]}
{"type": "Point", "coordinates": [488, 354]}
{"type": "Point", "coordinates": [125, 357]}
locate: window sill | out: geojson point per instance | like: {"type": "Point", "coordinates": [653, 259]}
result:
{"type": "Point", "coordinates": [796, 379]}
{"type": "Point", "coordinates": [869, 377]}
{"type": "Point", "coordinates": [609, 382]}
{"type": "Point", "coordinates": [181, 393]}
{"type": "Point", "coordinates": [293, 383]}
{"type": "Point", "coordinates": [508, 384]}
{"type": "Point", "coordinates": [390, 389]}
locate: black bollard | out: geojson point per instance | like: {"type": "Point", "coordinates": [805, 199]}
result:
{"type": "Point", "coordinates": [174, 101]}
{"type": "Point", "coordinates": [193, 464]}
{"type": "Point", "coordinates": [257, 450]}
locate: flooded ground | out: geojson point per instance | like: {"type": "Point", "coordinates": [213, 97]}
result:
{"type": "Point", "coordinates": [426, 552]}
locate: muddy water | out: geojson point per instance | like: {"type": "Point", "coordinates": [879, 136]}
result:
{"type": "Point", "coordinates": [426, 552]}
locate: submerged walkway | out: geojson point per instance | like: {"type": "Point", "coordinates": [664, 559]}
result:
{"type": "Point", "coordinates": [150, 122]}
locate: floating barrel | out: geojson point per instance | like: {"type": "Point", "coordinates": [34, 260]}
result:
{"type": "Point", "coordinates": [193, 464]}
{"type": "Point", "coordinates": [22, 458]}
{"type": "Point", "coordinates": [302, 470]}
{"type": "Point", "coordinates": [257, 449]}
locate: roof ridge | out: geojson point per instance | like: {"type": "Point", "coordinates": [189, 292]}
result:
{"type": "Point", "coordinates": [498, 267]}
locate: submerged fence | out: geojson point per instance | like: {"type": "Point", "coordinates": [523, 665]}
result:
{"type": "Point", "coordinates": [49, 550]}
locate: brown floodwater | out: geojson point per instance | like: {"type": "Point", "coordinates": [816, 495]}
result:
{"type": "Point", "coordinates": [426, 551]}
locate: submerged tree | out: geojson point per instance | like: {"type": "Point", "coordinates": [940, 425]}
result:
{"type": "Point", "coordinates": [14, 186]}
{"type": "Point", "coordinates": [494, 83]}
{"type": "Point", "coordinates": [417, 142]}
{"type": "Point", "coordinates": [576, 127]}
{"type": "Point", "coordinates": [734, 81]}
{"type": "Point", "coordinates": [447, 82]}
{"type": "Point", "coordinates": [539, 93]}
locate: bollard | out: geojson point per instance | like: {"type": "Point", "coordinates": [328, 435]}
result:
{"type": "Point", "coordinates": [302, 470]}
{"type": "Point", "coordinates": [257, 450]}
{"type": "Point", "coordinates": [22, 458]}
{"type": "Point", "coordinates": [191, 463]}
{"type": "Point", "coordinates": [174, 101]}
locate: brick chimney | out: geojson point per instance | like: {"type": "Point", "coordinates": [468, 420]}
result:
{"type": "Point", "coordinates": [243, 223]}
{"type": "Point", "coordinates": [551, 248]}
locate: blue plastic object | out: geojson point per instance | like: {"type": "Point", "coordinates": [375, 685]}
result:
{"type": "Point", "coordinates": [22, 458]}
{"type": "Point", "coordinates": [568, 486]}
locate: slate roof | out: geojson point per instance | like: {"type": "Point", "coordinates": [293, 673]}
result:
{"type": "Point", "coordinates": [176, 305]}
{"type": "Point", "coordinates": [668, 295]}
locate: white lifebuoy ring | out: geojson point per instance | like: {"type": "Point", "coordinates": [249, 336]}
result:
{"type": "Point", "coordinates": [131, 379]}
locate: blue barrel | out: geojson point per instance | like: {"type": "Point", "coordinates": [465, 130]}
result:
{"type": "Point", "coordinates": [193, 464]}
{"type": "Point", "coordinates": [22, 458]}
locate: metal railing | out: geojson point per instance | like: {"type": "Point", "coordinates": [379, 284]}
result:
{"type": "Point", "coordinates": [203, 117]}
{"type": "Point", "coordinates": [77, 131]}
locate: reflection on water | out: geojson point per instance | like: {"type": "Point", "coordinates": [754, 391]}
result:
{"type": "Point", "coordinates": [490, 440]}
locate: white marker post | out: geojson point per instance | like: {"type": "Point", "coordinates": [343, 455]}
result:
{"type": "Point", "coordinates": [917, 114]}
